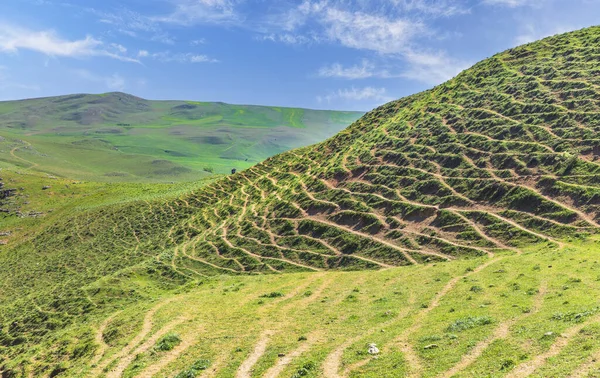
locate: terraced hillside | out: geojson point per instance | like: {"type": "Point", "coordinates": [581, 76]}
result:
{"type": "Point", "coordinates": [480, 188]}
{"type": "Point", "coordinates": [119, 137]}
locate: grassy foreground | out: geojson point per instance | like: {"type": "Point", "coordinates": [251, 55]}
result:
{"type": "Point", "coordinates": [507, 315]}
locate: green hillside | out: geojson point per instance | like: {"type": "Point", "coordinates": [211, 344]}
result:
{"type": "Point", "coordinates": [119, 137]}
{"type": "Point", "coordinates": [456, 229]}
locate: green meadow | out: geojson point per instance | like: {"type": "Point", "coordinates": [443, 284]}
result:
{"type": "Point", "coordinates": [119, 137]}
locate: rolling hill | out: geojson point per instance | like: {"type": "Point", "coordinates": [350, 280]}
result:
{"type": "Point", "coordinates": [120, 137]}
{"type": "Point", "coordinates": [456, 229]}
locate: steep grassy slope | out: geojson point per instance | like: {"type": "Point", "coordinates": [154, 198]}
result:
{"type": "Point", "coordinates": [119, 137]}
{"type": "Point", "coordinates": [484, 190]}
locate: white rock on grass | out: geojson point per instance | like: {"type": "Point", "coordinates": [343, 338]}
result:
{"type": "Point", "coordinates": [373, 349]}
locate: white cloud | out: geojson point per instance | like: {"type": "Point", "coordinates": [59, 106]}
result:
{"type": "Point", "coordinates": [357, 94]}
{"type": "Point", "coordinates": [114, 82]}
{"type": "Point", "coordinates": [370, 32]}
{"type": "Point", "coordinates": [531, 33]}
{"type": "Point", "coordinates": [163, 37]}
{"type": "Point", "coordinates": [428, 67]}
{"type": "Point", "coordinates": [201, 59]}
{"type": "Point", "coordinates": [167, 56]}
{"type": "Point", "coordinates": [122, 49]}
{"type": "Point", "coordinates": [350, 28]}
{"type": "Point", "coordinates": [392, 29]}
{"type": "Point", "coordinates": [431, 67]}
{"type": "Point", "coordinates": [127, 20]}
{"type": "Point", "coordinates": [514, 3]}
{"type": "Point", "coordinates": [13, 39]}
{"type": "Point", "coordinates": [143, 53]}
{"type": "Point", "coordinates": [434, 8]}
{"type": "Point", "coordinates": [289, 38]}
{"type": "Point", "coordinates": [197, 42]}
{"type": "Point", "coordinates": [336, 70]}
{"type": "Point", "coordinates": [190, 12]}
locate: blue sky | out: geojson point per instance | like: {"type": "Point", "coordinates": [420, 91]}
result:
{"type": "Point", "coordinates": [327, 54]}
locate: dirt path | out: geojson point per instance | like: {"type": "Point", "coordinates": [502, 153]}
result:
{"type": "Point", "coordinates": [128, 358]}
{"type": "Point", "coordinates": [586, 368]}
{"type": "Point", "coordinates": [402, 342]}
{"type": "Point", "coordinates": [245, 369]}
{"type": "Point", "coordinates": [12, 153]}
{"type": "Point", "coordinates": [167, 358]}
{"type": "Point", "coordinates": [404, 252]}
{"type": "Point", "coordinates": [283, 362]}
{"type": "Point", "coordinates": [146, 328]}
{"type": "Point", "coordinates": [527, 368]}
{"type": "Point", "coordinates": [99, 339]}
{"type": "Point", "coordinates": [501, 332]}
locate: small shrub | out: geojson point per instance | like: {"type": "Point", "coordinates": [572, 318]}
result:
{"type": "Point", "coordinates": [305, 370]}
{"type": "Point", "coordinates": [274, 294]}
{"type": "Point", "coordinates": [507, 364]}
{"type": "Point", "coordinates": [576, 317]}
{"type": "Point", "coordinates": [168, 342]}
{"type": "Point", "coordinates": [468, 323]}
{"type": "Point", "coordinates": [194, 370]}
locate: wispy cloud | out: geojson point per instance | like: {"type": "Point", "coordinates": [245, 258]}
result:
{"type": "Point", "coordinates": [531, 32]}
{"type": "Point", "coordinates": [432, 8]}
{"type": "Point", "coordinates": [370, 32]}
{"type": "Point", "coordinates": [14, 38]}
{"type": "Point", "coordinates": [167, 56]}
{"type": "Point", "coordinates": [357, 94]}
{"type": "Point", "coordinates": [363, 71]}
{"type": "Point", "coordinates": [431, 67]}
{"type": "Point", "coordinates": [515, 3]}
{"type": "Point", "coordinates": [348, 26]}
{"type": "Point", "coordinates": [190, 12]}
{"type": "Point", "coordinates": [7, 83]}
{"type": "Point", "coordinates": [395, 31]}
{"type": "Point", "coordinates": [114, 82]}
{"type": "Point", "coordinates": [289, 38]}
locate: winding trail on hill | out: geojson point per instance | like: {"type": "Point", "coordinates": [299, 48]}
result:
{"type": "Point", "coordinates": [168, 357]}
{"type": "Point", "coordinates": [146, 328]}
{"type": "Point", "coordinates": [99, 339]}
{"type": "Point", "coordinates": [586, 368]}
{"type": "Point", "coordinates": [15, 149]}
{"type": "Point", "coordinates": [333, 362]}
{"type": "Point", "coordinates": [401, 340]}
{"type": "Point", "coordinates": [128, 358]}
{"type": "Point", "coordinates": [501, 332]}
{"type": "Point", "coordinates": [529, 367]}
{"type": "Point", "coordinates": [283, 362]}
{"type": "Point", "coordinates": [245, 369]}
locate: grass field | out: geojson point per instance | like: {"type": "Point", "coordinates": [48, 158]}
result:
{"type": "Point", "coordinates": [506, 315]}
{"type": "Point", "coordinates": [119, 137]}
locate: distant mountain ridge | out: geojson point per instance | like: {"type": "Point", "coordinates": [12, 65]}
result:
{"type": "Point", "coordinates": [117, 136]}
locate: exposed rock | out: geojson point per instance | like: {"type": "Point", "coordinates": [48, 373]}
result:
{"type": "Point", "coordinates": [373, 349]}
